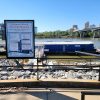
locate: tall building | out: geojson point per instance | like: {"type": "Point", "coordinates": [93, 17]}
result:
{"type": "Point", "coordinates": [87, 25]}
{"type": "Point", "coordinates": [75, 27]}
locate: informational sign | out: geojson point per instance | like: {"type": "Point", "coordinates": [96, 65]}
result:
{"type": "Point", "coordinates": [20, 41]}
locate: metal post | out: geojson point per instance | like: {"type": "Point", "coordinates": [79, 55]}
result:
{"type": "Point", "coordinates": [37, 69]}
{"type": "Point", "coordinates": [90, 65]}
{"type": "Point", "coordinates": [82, 96]}
{"type": "Point", "coordinates": [99, 74]}
{"type": "Point", "coordinates": [46, 60]}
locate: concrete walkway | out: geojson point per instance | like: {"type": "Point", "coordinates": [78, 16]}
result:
{"type": "Point", "coordinates": [46, 94]}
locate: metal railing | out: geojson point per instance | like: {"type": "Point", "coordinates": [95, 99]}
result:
{"type": "Point", "coordinates": [65, 64]}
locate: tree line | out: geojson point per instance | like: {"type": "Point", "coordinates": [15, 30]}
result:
{"type": "Point", "coordinates": [62, 34]}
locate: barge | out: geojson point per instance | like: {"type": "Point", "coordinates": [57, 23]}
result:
{"type": "Point", "coordinates": [67, 47]}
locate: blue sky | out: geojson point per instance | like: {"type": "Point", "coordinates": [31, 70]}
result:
{"type": "Point", "coordinates": [50, 15]}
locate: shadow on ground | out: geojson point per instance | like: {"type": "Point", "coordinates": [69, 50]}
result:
{"type": "Point", "coordinates": [43, 95]}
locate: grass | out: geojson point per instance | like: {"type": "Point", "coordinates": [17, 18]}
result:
{"type": "Point", "coordinates": [2, 56]}
{"type": "Point", "coordinates": [82, 58]}
{"type": "Point", "coordinates": [67, 56]}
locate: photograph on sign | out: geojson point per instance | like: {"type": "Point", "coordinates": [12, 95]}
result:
{"type": "Point", "coordinates": [20, 38]}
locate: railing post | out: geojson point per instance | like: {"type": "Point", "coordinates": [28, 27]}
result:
{"type": "Point", "coordinates": [90, 62]}
{"type": "Point", "coordinates": [37, 69]}
{"type": "Point", "coordinates": [82, 96]}
{"type": "Point", "coordinates": [99, 74]}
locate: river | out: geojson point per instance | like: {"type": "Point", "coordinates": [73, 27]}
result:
{"type": "Point", "coordinates": [96, 41]}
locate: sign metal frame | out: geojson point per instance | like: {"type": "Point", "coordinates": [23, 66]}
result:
{"type": "Point", "coordinates": [33, 39]}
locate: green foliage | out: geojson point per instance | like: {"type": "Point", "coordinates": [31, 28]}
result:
{"type": "Point", "coordinates": [90, 34]}
{"type": "Point", "coordinates": [62, 34]}
{"type": "Point", "coordinates": [54, 34]}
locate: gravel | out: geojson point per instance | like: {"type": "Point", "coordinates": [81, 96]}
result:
{"type": "Point", "coordinates": [59, 74]}
{"type": "Point", "coordinates": [91, 75]}
{"type": "Point", "coordinates": [11, 73]}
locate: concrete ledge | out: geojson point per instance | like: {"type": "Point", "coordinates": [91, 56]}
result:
{"type": "Point", "coordinates": [31, 83]}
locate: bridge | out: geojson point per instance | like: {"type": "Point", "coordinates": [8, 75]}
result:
{"type": "Point", "coordinates": [83, 32]}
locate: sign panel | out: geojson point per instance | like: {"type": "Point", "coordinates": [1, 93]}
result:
{"type": "Point", "coordinates": [20, 41]}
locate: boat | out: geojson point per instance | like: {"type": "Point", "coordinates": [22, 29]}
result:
{"type": "Point", "coordinates": [67, 47]}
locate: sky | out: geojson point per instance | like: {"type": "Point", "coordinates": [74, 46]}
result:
{"type": "Point", "coordinates": [51, 15]}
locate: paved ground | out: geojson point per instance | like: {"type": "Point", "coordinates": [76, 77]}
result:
{"type": "Point", "coordinates": [46, 94]}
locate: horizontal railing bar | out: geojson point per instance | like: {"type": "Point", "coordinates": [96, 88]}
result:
{"type": "Point", "coordinates": [53, 69]}
{"type": "Point", "coordinates": [85, 66]}
{"type": "Point", "coordinates": [57, 58]}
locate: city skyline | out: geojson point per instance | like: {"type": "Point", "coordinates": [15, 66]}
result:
{"type": "Point", "coordinates": [51, 15]}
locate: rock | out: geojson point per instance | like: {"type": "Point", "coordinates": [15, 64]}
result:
{"type": "Point", "coordinates": [3, 72]}
{"type": "Point", "coordinates": [27, 72]}
{"type": "Point", "coordinates": [4, 78]}
{"type": "Point", "coordinates": [97, 77]}
{"type": "Point", "coordinates": [16, 73]}
{"type": "Point", "coordinates": [31, 76]}
{"type": "Point", "coordinates": [9, 69]}
{"type": "Point", "coordinates": [79, 77]}
{"type": "Point", "coordinates": [71, 74]}
{"type": "Point", "coordinates": [11, 77]}
{"type": "Point", "coordinates": [33, 73]}
{"type": "Point", "coordinates": [80, 71]}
